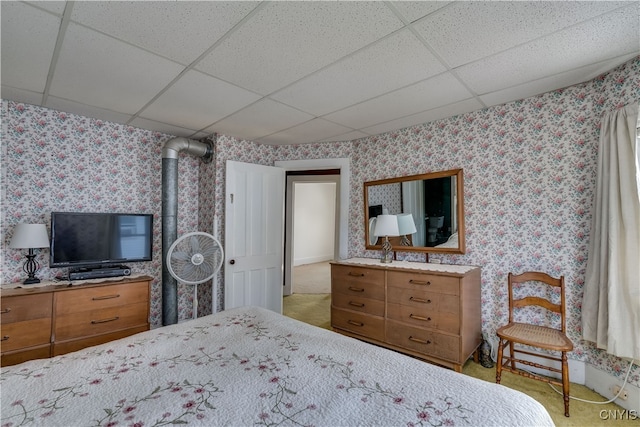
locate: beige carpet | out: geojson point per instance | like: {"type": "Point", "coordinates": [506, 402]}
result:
{"type": "Point", "coordinates": [316, 310]}
{"type": "Point", "coordinates": [312, 278]}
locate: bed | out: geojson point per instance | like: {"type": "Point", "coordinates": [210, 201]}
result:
{"type": "Point", "coordinates": [452, 242]}
{"type": "Point", "coordinates": [250, 366]}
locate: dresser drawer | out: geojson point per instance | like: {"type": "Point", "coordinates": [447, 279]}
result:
{"type": "Point", "coordinates": [445, 322]}
{"type": "Point", "coordinates": [88, 299]}
{"type": "Point", "coordinates": [74, 345]}
{"type": "Point", "coordinates": [424, 341]}
{"type": "Point", "coordinates": [26, 321]}
{"type": "Point", "coordinates": [424, 282]}
{"type": "Point", "coordinates": [358, 323]}
{"type": "Point", "coordinates": [100, 321]}
{"type": "Point", "coordinates": [25, 307]}
{"type": "Point", "coordinates": [28, 333]}
{"type": "Point", "coordinates": [424, 300]}
{"type": "Point", "coordinates": [357, 303]}
{"type": "Point", "coordinates": [357, 281]}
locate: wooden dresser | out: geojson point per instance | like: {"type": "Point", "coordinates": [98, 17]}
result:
{"type": "Point", "coordinates": [430, 311]}
{"type": "Point", "coordinates": [44, 321]}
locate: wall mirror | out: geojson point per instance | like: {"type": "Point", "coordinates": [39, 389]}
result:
{"type": "Point", "coordinates": [434, 202]}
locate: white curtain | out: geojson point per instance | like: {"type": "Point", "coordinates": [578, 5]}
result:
{"type": "Point", "coordinates": [413, 203]}
{"type": "Point", "coordinates": [611, 301]}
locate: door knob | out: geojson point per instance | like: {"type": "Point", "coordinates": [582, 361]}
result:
{"type": "Point", "coordinates": [233, 261]}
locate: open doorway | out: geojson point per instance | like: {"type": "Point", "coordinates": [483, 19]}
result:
{"type": "Point", "coordinates": [311, 242]}
{"type": "Point", "coordinates": [316, 165]}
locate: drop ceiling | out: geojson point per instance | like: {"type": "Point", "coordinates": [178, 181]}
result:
{"type": "Point", "coordinates": [302, 71]}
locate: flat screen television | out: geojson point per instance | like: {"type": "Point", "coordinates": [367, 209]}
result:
{"type": "Point", "coordinates": [96, 240]}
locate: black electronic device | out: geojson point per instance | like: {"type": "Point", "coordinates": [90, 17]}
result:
{"type": "Point", "coordinates": [99, 241]}
{"type": "Point", "coordinates": [374, 211]}
{"type": "Point", "coordinates": [98, 273]}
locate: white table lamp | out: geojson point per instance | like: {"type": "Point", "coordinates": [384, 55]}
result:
{"type": "Point", "coordinates": [406, 226]}
{"type": "Point", "coordinates": [386, 225]}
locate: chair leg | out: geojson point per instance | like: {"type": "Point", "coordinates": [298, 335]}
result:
{"type": "Point", "coordinates": [499, 363]}
{"type": "Point", "coordinates": [565, 383]}
{"type": "Point", "coordinates": [512, 355]}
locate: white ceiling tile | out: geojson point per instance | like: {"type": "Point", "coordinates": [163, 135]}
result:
{"type": "Point", "coordinates": [462, 107]}
{"type": "Point", "coordinates": [286, 41]}
{"type": "Point", "coordinates": [608, 36]}
{"type": "Point", "coordinates": [467, 31]}
{"type": "Point", "coordinates": [27, 49]}
{"type": "Point", "coordinates": [315, 130]}
{"type": "Point", "coordinates": [351, 63]}
{"type": "Point", "coordinates": [414, 10]}
{"type": "Point", "coordinates": [196, 100]}
{"type": "Point", "coordinates": [266, 117]}
{"type": "Point", "coordinates": [425, 95]}
{"type": "Point", "coordinates": [396, 61]}
{"type": "Point", "coordinates": [143, 123]}
{"type": "Point", "coordinates": [86, 110]}
{"type": "Point", "coordinates": [350, 136]}
{"type": "Point", "coordinates": [98, 70]}
{"type": "Point", "coordinates": [557, 81]}
{"type": "Point", "coordinates": [21, 95]}
{"type": "Point", "coordinates": [181, 31]}
{"type": "Point", "coordinates": [56, 7]}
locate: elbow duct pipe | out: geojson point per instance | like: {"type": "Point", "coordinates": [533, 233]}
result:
{"type": "Point", "coordinates": [170, 152]}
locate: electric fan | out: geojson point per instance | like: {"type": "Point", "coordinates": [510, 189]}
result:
{"type": "Point", "coordinates": [194, 258]}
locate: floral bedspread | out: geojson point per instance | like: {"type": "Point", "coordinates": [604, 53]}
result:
{"type": "Point", "coordinates": [246, 367]}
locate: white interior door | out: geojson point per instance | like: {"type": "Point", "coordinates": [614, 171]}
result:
{"type": "Point", "coordinates": [254, 238]}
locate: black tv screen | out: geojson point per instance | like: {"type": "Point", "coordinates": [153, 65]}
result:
{"type": "Point", "coordinates": [80, 239]}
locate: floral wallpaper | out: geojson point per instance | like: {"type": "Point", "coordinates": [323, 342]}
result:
{"type": "Point", "coordinates": [529, 175]}
{"type": "Point", "coordinates": [388, 195]}
{"type": "Point", "coordinates": [55, 161]}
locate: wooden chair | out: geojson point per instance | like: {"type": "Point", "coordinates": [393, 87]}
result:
{"type": "Point", "coordinates": [544, 337]}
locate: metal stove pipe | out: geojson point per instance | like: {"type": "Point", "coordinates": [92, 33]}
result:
{"type": "Point", "coordinates": [170, 152]}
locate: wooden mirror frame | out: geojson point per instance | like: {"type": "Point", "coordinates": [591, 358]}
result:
{"type": "Point", "coordinates": [457, 173]}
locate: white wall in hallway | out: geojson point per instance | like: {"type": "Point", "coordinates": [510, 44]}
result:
{"type": "Point", "coordinates": [314, 222]}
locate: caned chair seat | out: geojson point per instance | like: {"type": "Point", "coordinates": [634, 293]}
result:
{"type": "Point", "coordinates": [536, 336]}
{"type": "Point", "coordinates": [551, 340]}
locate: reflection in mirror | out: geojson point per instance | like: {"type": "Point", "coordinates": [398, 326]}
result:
{"type": "Point", "coordinates": [430, 209]}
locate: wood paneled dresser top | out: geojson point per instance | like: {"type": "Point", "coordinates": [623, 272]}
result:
{"type": "Point", "coordinates": [430, 311]}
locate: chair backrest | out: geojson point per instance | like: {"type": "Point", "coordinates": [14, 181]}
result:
{"type": "Point", "coordinates": [534, 276]}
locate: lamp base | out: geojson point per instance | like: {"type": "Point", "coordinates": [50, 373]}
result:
{"type": "Point", "coordinates": [387, 254]}
{"type": "Point", "coordinates": [30, 267]}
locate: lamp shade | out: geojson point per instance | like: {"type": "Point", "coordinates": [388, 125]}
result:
{"type": "Point", "coordinates": [386, 225]}
{"type": "Point", "coordinates": [27, 236]}
{"type": "Point", "coordinates": [406, 224]}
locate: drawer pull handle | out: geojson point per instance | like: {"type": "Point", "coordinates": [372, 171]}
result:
{"type": "Point", "coordinates": [356, 304]}
{"type": "Point", "coordinates": [95, 322]}
{"type": "Point", "coordinates": [414, 316]}
{"type": "Point", "coordinates": [354, 323]}
{"type": "Point", "coordinates": [5, 311]}
{"type": "Point", "coordinates": [420, 282]}
{"type": "Point", "coordinates": [106, 297]}
{"type": "Point", "coordinates": [5, 338]}
{"type": "Point", "coordinates": [351, 288]}
{"type": "Point", "coordinates": [424, 301]}
{"type": "Point", "coordinates": [356, 274]}
{"type": "Point", "coordinates": [419, 340]}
